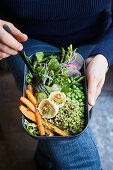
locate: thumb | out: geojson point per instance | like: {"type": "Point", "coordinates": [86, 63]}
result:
{"type": "Point", "coordinates": [91, 91]}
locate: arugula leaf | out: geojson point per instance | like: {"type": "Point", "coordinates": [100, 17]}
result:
{"type": "Point", "coordinates": [54, 64]}
{"type": "Point", "coordinates": [49, 57]}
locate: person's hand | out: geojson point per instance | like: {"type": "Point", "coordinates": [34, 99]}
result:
{"type": "Point", "coordinates": [8, 44]}
{"type": "Point", "coordinates": [96, 68]}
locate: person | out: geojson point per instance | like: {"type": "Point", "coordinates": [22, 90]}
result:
{"type": "Point", "coordinates": [48, 26]}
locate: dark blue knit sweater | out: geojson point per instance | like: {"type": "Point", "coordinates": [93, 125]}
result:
{"type": "Point", "coordinates": [61, 22]}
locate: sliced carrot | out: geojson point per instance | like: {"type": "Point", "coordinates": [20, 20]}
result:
{"type": "Point", "coordinates": [39, 122]}
{"type": "Point", "coordinates": [30, 115]}
{"type": "Point", "coordinates": [54, 128]}
{"type": "Point", "coordinates": [28, 103]}
{"type": "Point", "coordinates": [49, 132]}
{"type": "Point", "coordinates": [30, 88]}
{"type": "Point", "coordinates": [31, 97]}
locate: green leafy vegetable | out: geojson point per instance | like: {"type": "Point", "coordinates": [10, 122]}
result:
{"type": "Point", "coordinates": [39, 56]}
{"type": "Point", "coordinates": [49, 57]}
{"type": "Point", "coordinates": [54, 64]}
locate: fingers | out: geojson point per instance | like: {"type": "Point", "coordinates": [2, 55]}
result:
{"type": "Point", "coordinates": [9, 40]}
{"type": "Point", "coordinates": [89, 59]}
{"type": "Point", "coordinates": [6, 49]}
{"type": "Point", "coordinates": [8, 44]}
{"type": "Point", "coordinates": [3, 55]}
{"type": "Point", "coordinates": [98, 91]}
{"type": "Point", "coordinates": [17, 33]}
{"type": "Point", "coordinates": [89, 107]}
{"type": "Point", "coordinates": [92, 85]}
{"type": "Point", "coordinates": [99, 88]}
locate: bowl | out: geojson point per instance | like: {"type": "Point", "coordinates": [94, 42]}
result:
{"type": "Point", "coordinates": [86, 112]}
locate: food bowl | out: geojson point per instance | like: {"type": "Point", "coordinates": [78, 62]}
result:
{"type": "Point", "coordinates": [86, 112]}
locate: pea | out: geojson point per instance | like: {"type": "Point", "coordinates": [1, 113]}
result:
{"type": "Point", "coordinates": [81, 88]}
{"type": "Point", "coordinates": [70, 89]}
{"type": "Point", "coordinates": [83, 97]}
{"type": "Point", "coordinates": [80, 100]}
{"type": "Point", "coordinates": [74, 86]}
{"type": "Point", "coordinates": [81, 104]}
{"type": "Point", "coordinates": [73, 95]}
{"type": "Point", "coordinates": [76, 97]}
{"type": "Point", "coordinates": [79, 95]}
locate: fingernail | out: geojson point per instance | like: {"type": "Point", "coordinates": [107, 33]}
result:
{"type": "Point", "coordinates": [92, 102]}
{"type": "Point", "coordinates": [25, 35]}
{"type": "Point", "coordinates": [20, 48]}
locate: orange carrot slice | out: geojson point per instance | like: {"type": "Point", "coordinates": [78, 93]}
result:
{"type": "Point", "coordinates": [39, 122]}
{"type": "Point", "coordinates": [30, 88]}
{"type": "Point", "coordinates": [28, 103]}
{"type": "Point", "coordinates": [30, 115]}
{"type": "Point", "coordinates": [31, 97]}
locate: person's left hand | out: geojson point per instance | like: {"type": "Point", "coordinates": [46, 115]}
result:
{"type": "Point", "coordinates": [96, 68]}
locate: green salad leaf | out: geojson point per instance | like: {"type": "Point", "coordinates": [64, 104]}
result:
{"type": "Point", "coordinates": [39, 56]}
{"type": "Point", "coordinates": [54, 64]}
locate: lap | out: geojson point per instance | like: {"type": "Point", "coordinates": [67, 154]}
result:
{"type": "Point", "coordinates": [71, 154]}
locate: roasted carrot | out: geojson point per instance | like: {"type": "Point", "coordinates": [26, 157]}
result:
{"type": "Point", "coordinates": [49, 132]}
{"type": "Point", "coordinates": [54, 128]}
{"type": "Point", "coordinates": [30, 115]}
{"type": "Point", "coordinates": [28, 103]}
{"type": "Point", "coordinates": [39, 122]}
{"type": "Point", "coordinates": [30, 88]}
{"type": "Point", "coordinates": [31, 97]}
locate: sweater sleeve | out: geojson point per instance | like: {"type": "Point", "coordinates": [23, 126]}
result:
{"type": "Point", "coordinates": [105, 46]}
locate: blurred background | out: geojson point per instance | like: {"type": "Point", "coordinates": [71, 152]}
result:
{"type": "Point", "coordinates": [17, 148]}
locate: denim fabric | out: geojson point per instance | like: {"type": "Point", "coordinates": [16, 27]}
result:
{"type": "Point", "coordinates": [78, 153]}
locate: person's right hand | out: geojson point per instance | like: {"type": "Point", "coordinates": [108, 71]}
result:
{"type": "Point", "coordinates": [8, 44]}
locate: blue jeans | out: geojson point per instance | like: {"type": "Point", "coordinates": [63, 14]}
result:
{"type": "Point", "coordinates": [78, 153]}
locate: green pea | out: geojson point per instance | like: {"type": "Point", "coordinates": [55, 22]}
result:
{"type": "Point", "coordinates": [70, 89]}
{"type": "Point", "coordinates": [83, 97]}
{"type": "Point", "coordinates": [74, 86]}
{"type": "Point", "coordinates": [81, 88]}
{"type": "Point", "coordinates": [76, 97]}
{"type": "Point", "coordinates": [79, 95]}
{"type": "Point", "coordinates": [73, 95]}
{"type": "Point", "coordinates": [75, 91]}
{"type": "Point", "coordinates": [81, 104]}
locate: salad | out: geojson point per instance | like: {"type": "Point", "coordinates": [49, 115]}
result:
{"type": "Point", "coordinates": [64, 108]}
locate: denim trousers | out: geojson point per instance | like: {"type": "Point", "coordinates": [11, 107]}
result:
{"type": "Point", "coordinates": [77, 153]}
